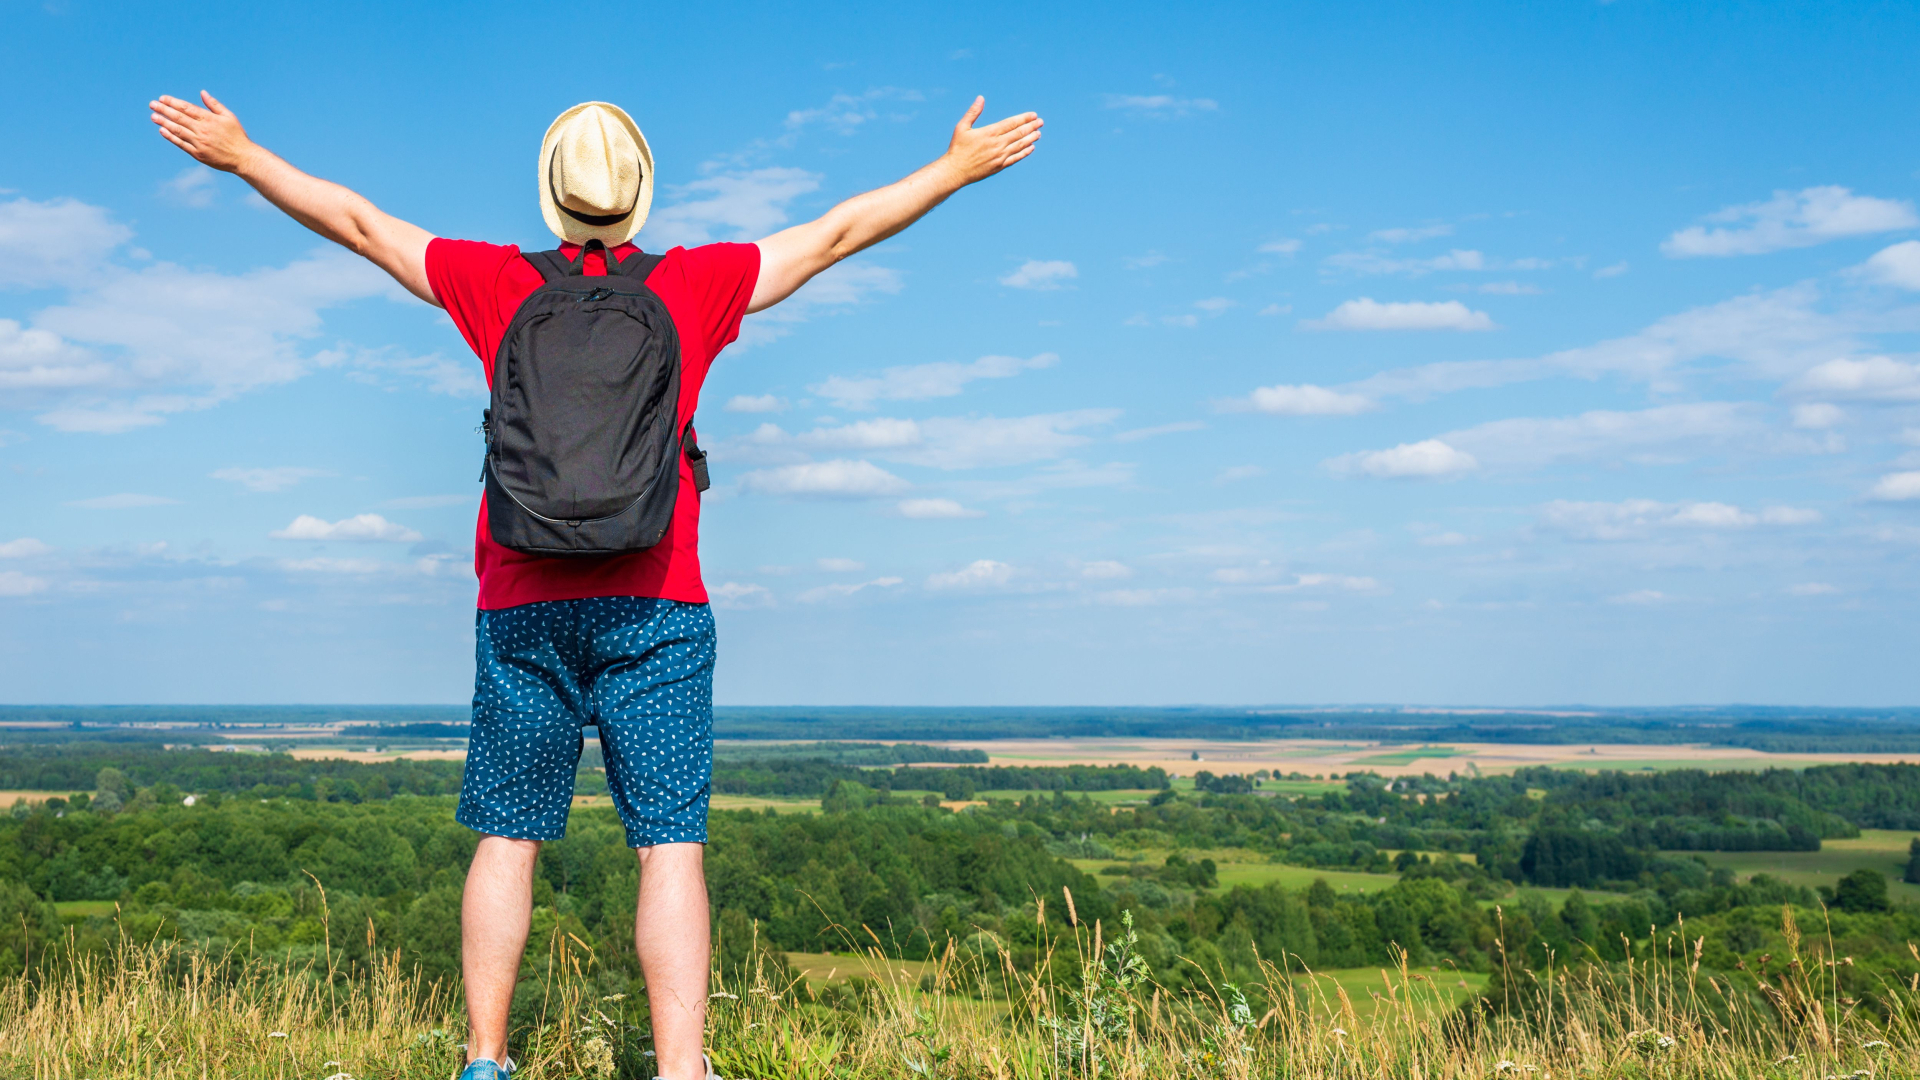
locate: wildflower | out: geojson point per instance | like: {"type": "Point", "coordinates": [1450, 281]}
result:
{"type": "Point", "coordinates": [723, 994]}
{"type": "Point", "coordinates": [1503, 1066]}
{"type": "Point", "coordinates": [1788, 1060]}
{"type": "Point", "coordinates": [276, 1034]}
{"type": "Point", "coordinates": [1874, 1044]}
{"type": "Point", "coordinates": [1342, 1032]}
{"type": "Point", "coordinates": [341, 1076]}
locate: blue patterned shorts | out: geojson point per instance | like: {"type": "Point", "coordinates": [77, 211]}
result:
{"type": "Point", "coordinates": [641, 670]}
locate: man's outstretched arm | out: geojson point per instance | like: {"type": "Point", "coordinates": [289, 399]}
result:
{"type": "Point", "coordinates": [791, 258]}
{"type": "Point", "coordinates": [213, 136]}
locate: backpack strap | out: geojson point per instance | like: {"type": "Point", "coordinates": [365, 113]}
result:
{"type": "Point", "coordinates": [638, 265]}
{"type": "Point", "coordinates": [553, 266]}
{"type": "Point", "coordinates": [696, 457]}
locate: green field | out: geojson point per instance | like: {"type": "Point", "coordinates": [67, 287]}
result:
{"type": "Point", "coordinates": [1234, 871]}
{"type": "Point", "coordinates": [80, 909]}
{"type": "Point", "coordinates": [1408, 757]}
{"type": "Point", "coordinates": [1884, 850]}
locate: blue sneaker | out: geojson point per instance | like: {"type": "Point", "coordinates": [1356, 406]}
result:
{"type": "Point", "coordinates": [486, 1069]}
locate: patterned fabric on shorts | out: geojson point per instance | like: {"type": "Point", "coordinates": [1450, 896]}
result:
{"type": "Point", "coordinates": [640, 669]}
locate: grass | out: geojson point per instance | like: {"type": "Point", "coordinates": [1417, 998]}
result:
{"type": "Point", "coordinates": [1239, 868]}
{"type": "Point", "coordinates": [161, 1012]}
{"type": "Point", "coordinates": [81, 909]}
{"type": "Point", "coordinates": [1408, 757]}
{"type": "Point", "coordinates": [1884, 850]}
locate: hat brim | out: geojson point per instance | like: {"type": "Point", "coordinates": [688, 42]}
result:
{"type": "Point", "coordinates": [579, 232]}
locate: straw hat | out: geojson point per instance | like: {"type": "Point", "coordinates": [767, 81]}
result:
{"type": "Point", "coordinates": [596, 175]}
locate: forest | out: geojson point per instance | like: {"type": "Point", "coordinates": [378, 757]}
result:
{"type": "Point", "coordinates": [243, 863]}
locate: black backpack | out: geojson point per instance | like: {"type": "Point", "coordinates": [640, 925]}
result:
{"type": "Point", "coordinates": [584, 436]}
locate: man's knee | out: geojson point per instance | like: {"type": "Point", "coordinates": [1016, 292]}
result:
{"type": "Point", "coordinates": [660, 856]}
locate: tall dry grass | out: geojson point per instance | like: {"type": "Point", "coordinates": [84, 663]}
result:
{"type": "Point", "coordinates": [158, 1010]}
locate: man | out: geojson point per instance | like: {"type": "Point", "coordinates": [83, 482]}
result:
{"type": "Point", "coordinates": [625, 642]}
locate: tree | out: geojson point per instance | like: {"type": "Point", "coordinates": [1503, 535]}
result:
{"type": "Point", "coordinates": [1862, 890]}
{"type": "Point", "coordinates": [1913, 861]}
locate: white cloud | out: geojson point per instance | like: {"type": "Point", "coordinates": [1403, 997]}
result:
{"type": "Point", "coordinates": [436, 373]}
{"type": "Point", "coordinates": [361, 528]}
{"type": "Point", "coordinates": [1896, 487]}
{"type": "Point", "coordinates": [1238, 472]}
{"type": "Point", "coordinates": [1876, 378]}
{"type": "Point", "coordinates": [1142, 597]}
{"type": "Point", "coordinates": [1302, 400]}
{"type": "Point", "coordinates": [1371, 262]}
{"type": "Point", "coordinates": [1790, 219]}
{"type": "Point", "coordinates": [933, 509]}
{"type": "Point", "coordinates": [1897, 265]}
{"type": "Point", "coordinates": [846, 114]}
{"type": "Point", "coordinates": [1105, 570]}
{"type": "Point", "coordinates": [60, 242]}
{"type": "Point", "coordinates": [24, 548]}
{"type": "Point", "coordinates": [987, 441]}
{"type": "Point", "coordinates": [279, 478]}
{"type": "Point", "coordinates": [1214, 305]}
{"type": "Point", "coordinates": [1817, 416]}
{"type": "Point", "coordinates": [1279, 247]}
{"type": "Point", "coordinates": [729, 206]}
{"type": "Point", "coordinates": [1507, 288]}
{"type": "Point", "coordinates": [1276, 309]}
{"type": "Point", "coordinates": [840, 566]}
{"type": "Point", "coordinates": [1775, 335]}
{"type": "Point", "coordinates": [756, 403]}
{"type": "Point", "coordinates": [130, 347]}
{"type": "Point", "coordinates": [1041, 274]}
{"type": "Point", "coordinates": [1369, 314]}
{"type": "Point", "coordinates": [1428, 458]}
{"type": "Point", "coordinates": [327, 565]}
{"type": "Point", "coordinates": [1641, 598]}
{"type": "Point", "coordinates": [739, 595]}
{"type": "Point", "coordinates": [836, 290]}
{"type": "Point", "coordinates": [977, 574]}
{"type": "Point", "coordinates": [193, 186]}
{"type": "Point", "coordinates": [123, 501]}
{"type": "Point", "coordinates": [839, 589]}
{"type": "Point", "coordinates": [1656, 434]}
{"type": "Point", "coordinates": [1158, 430]}
{"type": "Point", "coordinates": [837, 479]}
{"type": "Point", "coordinates": [920, 382]}
{"type": "Point", "coordinates": [1611, 270]}
{"type": "Point", "coordinates": [1160, 106]}
{"type": "Point", "coordinates": [881, 433]}
{"type": "Point", "coordinates": [1811, 588]}
{"type": "Point", "coordinates": [1632, 518]}
{"type": "Point", "coordinates": [15, 583]}
{"type": "Point", "coordinates": [1407, 236]}
{"type": "Point", "coordinates": [949, 442]}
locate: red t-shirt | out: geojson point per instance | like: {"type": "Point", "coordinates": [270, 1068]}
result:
{"type": "Point", "coordinates": [706, 290]}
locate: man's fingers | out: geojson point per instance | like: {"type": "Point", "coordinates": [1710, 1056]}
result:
{"type": "Point", "coordinates": [178, 116]}
{"type": "Point", "coordinates": [213, 104]}
{"type": "Point", "coordinates": [1010, 123]}
{"type": "Point", "coordinates": [186, 107]}
{"type": "Point", "coordinates": [973, 112]}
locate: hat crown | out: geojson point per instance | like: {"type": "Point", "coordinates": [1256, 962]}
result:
{"type": "Point", "coordinates": [596, 164]}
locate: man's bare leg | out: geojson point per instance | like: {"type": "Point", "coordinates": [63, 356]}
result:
{"type": "Point", "coordinates": [495, 912]}
{"type": "Point", "coordinates": [670, 933]}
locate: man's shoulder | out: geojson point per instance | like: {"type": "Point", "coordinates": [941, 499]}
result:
{"type": "Point", "coordinates": [730, 259]}
{"type": "Point", "coordinates": [470, 251]}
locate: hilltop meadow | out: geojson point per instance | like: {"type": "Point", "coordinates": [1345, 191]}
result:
{"type": "Point", "coordinates": [179, 912]}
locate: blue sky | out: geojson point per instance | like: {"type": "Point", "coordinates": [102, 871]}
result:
{"type": "Point", "coordinates": [1498, 354]}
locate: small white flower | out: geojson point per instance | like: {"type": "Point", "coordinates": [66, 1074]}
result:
{"type": "Point", "coordinates": [1873, 1044]}
{"type": "Point", "coordinates": [1342, 1032]}
{"type": "Point", "coordinates": [341, 1076]}
{"type": "Point", "coordinates": [276, 1034]}
{"type": "Point", "coordinates": [1503, 1066]}
{"type": "Point", "coordinates": [723, 994]}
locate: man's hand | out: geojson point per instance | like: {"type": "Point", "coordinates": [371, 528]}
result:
{"type": "Point", "coordinates": [789, 259]}
{"type": "Point", "coordinates": [213, 137]}
{"type": "Point", "coordinates": [977, 153]}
